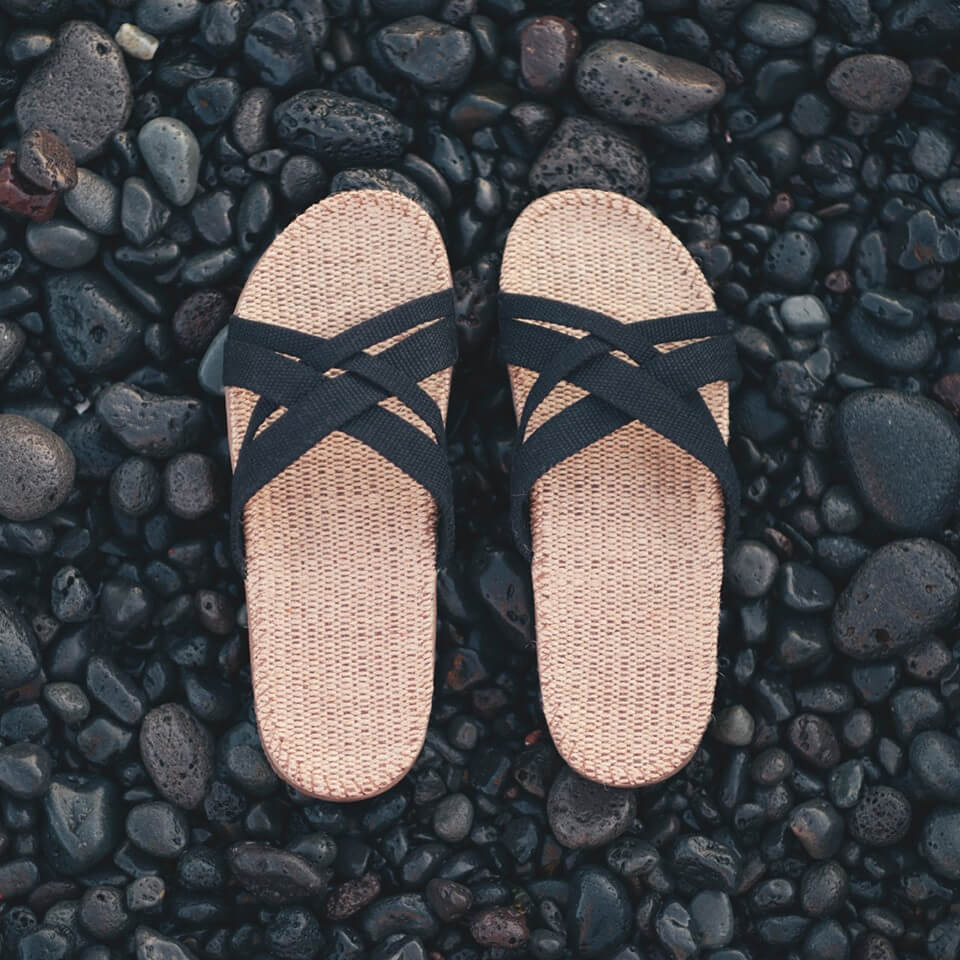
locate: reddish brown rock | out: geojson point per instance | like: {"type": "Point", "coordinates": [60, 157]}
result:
{"type": "Point", "coordinates": [17, 197]}
{"type": "Point", "coordinates": [548, 49]}
{"type": "Point", "coordinates": [499, 927]}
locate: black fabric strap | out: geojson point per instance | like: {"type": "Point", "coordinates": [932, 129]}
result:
{"type": "Point", "coordinates": [657, 388]}
{"type": "Point", "coordinates": [289, 370]}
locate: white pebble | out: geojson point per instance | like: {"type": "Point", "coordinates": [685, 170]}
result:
{"type": "Point", "coordinates": [138, 43]}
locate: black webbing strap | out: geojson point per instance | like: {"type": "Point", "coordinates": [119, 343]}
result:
{"type": "Point", "coordinates": [658, 389]}
{"type": "Point", "coordinates": [289, 370]}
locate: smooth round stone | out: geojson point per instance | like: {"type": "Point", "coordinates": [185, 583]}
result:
{"type": "Point", "coordinates": [791, 260]}
{"type": "Point", "coordinates": [904, 591]}
{"type": "Point", "coordinates": [734, 726]}
{"type": "Point", "coordinates": [12, 341]}
{"type": "Point", "coordinates": [881, 817]}
{"type": "Point", "coordinates": [823, 889]}
{"type": "Point", "coordinates": [935, 762]}
{"type": "Point", "coordinates": [178, 754]}
{"type": "Point", "coordinates": [804, 315]}
{"type": "Point", "coordinates": [453, 818]}
{"type": "Point", "coordinates": [751, 569]}
{"type": "Point", "coordinates": [777, 25]}
{"type": "Point", "coordinates": [631, 84]}
{"type": "Point", "coordinates": [61, 244]}
{"type": "Point", "coordinates": [818, 826]}
{"type": "Point", "coordinates": [81, 90]}
{"type": "Point", "coordinates": [161, 17]}
{"type": "Point", "coordinates": [548, 49]}
{"type": "Point", "coordinates": [584, 152]}
{"type": "Point", "coordinates": [599, 915]}
{"type": "Point", "coordinates": [95, 202]}
{"type": "Point", "coordinates": [899, 352]}
{"type": "Point", "coordinates": [713, 919]}
{"type": "Point", "coordinates": [143, 213]}
{"type": "Point", "coordinates": [74, 844]}
{"type": "Point", "coordinates": [903, 454]}
{"type": "Point", "coordinates": [813, 738]}
{"type": "Point", "coordinates": [940, 842]}
{"type": "Point", "coordinates": [36, 469]}
{"type": "Point", "coordinates": [96, 331]}
{"type": "Point", "coordinates": [19, 655]}
{"type": "Point", "coordinates": [45, 160]}
{"type": "Point", "coordinates": [585, 814]}
{"type": "Point", "coordinates": [434, 56]}
{"type": "Point", "coordinates": [158, 828]}
{"type": "Point", "coordinates": [870, 83]}
{"type": "Point", "coordinates": [25, 770]}
{"type": "Point", "coordinates": [343, 130]}
{"type": "Point", "coordinates": [172, 154]}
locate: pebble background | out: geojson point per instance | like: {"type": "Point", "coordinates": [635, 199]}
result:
{"type": "Point", "coordinates": [807, 156]}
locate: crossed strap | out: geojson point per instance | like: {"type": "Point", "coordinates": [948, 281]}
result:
{"type": "Point", "coordinates": [658, 389]}
{"type": "Point", "coordinates": [261, 357]}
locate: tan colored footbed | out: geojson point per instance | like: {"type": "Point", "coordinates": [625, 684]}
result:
{"type": "Point", "coordinates": [340, 547]}
{"type": "Point", "coordinates": [628, 533]}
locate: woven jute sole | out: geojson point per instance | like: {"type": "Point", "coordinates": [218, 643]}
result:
{"type": "Point", "coordinates": [628, 533]}
{"type": "Point", "coordinates": [340, 547]}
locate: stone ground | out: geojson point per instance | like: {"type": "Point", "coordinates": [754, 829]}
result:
{"type": "Point", "coordinates": [807, 156]}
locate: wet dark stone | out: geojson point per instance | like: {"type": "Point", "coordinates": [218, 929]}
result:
{"type": "Point", "coordinates": [61, 244]}
{"type": "Point", "coordinates": [272, 875]}
{"type": "Point", "coordinates": [585, 814]}
{"type": "Point", "coordinates": [80, 826]}
{"type": "Point", "coordinates": [435, 56]}
{"type": "Point", "coordinates": [158, 829]}
{"type": "Point", "coordinates": [46, 161]}
{"type": "Point", "coordinates": [940, 842]}
{"type": "Point", "coordinates": [190, 485]}
{"type": "Point", "coordinates": [81, 91]}
{"type": "Point", "coordinates": [278, 50]}
{"type": "Point", "coordinates": [628, 83]}
{"type": "Point", "coordinates": [599, 917]}
{"type": "Point", "coordinates": [340, 130]}
{"type": "Point", "coordinates": [587, 153]}
{"type": "Point", "coordinates": [881, 817]}
{"type": "Point", "coordinates": [676, 932]}
{"type": "Point", "coordinates": [151, 424]}
{"type": "Point", "coordinates": [177, 754]}
{"type": "Point", "coordinates": [548, 49]}
{"type": "Point", "coordinates": [922, 27]}
{"type": "Point", "coordinates": [352, 896]}
{"type": "Point", "coordinates": [814, 739]}
{"type": "Point", "coordinates": [823, 889]}
{"type": "Point", "coordinates": [923, 239]}
{"type": "Point", "coordinates": [870, 83]}
{"type": "Point", "coordinates": [25, 770]}
{"type": "Point", "coordinates": [400, 913]}
{"type": "Point", "coordinates": [935, 762]}
{"type": "Point", "coordinates": [36, 469]}
{"type": "Point", "coordinates": [902, 592]}
{"type": "Point", "coordinates": [911, 494]}
{"type": "Point", "coordinates": [103, 913]}
{"type": "Point", "coordinates": [818, 827]}
{"type": "Point", "coordinates": [702, 863]}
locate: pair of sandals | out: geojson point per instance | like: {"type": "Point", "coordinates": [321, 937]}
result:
{"type": "Point", "coordinates": [338, 368]}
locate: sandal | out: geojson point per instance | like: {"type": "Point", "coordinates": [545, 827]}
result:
{"type": "Point", "coordinates": [338, 369]}
{"type": "Point", "coordinates": [620, 480]}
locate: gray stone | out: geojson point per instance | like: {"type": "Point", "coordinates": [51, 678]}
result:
{"type": "Point", "coordinates": [95, 202]}
{"type": "Point", "coordinates": [61, 244]}
{"type": "Point", "coordinates": [435, 56]}
{"type": "Point", "coordinates": [36, 469]}
{"type": "Point", "coordinates": [81, 90]}
{"type": "Point", "coordinates": [172, 154]}
{"type": "Point", "coordinates": [870, 83]}
{"type": "Point", "coordinates": [627, 83]}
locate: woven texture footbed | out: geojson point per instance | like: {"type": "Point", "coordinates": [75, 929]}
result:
{"type": "Point", "coordinates": [341, 548]}
{"type": "Point", "coordinates": [628, 533]}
